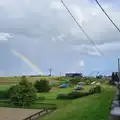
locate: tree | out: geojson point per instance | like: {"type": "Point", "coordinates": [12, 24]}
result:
{"type": "Point", "coordinates": [113, 77]}
{"type": "Point", "coordinates": [22, 94]}
{"type": "Point", "coordinates": [42, 85]}
{"type": "Point", "coordinates": [116, 77]}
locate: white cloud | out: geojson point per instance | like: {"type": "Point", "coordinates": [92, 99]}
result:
{"type": "Point", "coordinates": [4, 36]}
{"type": "Point", "coordinates": [56, 5]}
{"type": "Point", "coordinates": [95, 53]}
{"type": "Point", "coordinates": [78, 13]}
{"type": "Point", "coordinates": [81, 64]}
{"type": "Point", "coordinates": [53, 39]}
{"type": "Point", "coordinates": [78, 66]}
{"type": "Point", "coordinates": [61, 37]}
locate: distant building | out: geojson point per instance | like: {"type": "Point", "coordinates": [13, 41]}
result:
{"type": "Point", "coordinates": [73, 74]}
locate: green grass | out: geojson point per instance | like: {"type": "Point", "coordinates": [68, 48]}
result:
{"type": "Point", "coordinates": [93, 107]}
{"type": "Point", "coordinates": [50, 98]}
{"type": "Point", "coordinates": [15, 79]}
{"type": "Point", "coordinates": [53, 93]}
{"type": "Point", "coordinates": [4, 87]}
{"type": "Point", "coordinates": [6, 82]}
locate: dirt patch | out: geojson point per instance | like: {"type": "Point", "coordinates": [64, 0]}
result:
{"type": "Point", "coordinates": [16, 113]}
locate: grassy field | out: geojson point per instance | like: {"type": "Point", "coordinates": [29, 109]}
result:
{"type": "Point", "coordinates": [93, 107]}
{"type": "Point", "coordinates": [52, 94]}
{"type": "Point", "coordinates": [6, 82]}
{"type": "Point", "coordinates": [50, 97]}
{"type": "Point", "coordinates": [4, 86]}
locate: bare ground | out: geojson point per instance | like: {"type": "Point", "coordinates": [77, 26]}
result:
{"type": "Point", "coordinates": [16, 113]}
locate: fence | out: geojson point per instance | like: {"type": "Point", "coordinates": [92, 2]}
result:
{"type": "Point", "coordinates": [45, 109]}
{"type": "Point", "coordinates": [37, 115]}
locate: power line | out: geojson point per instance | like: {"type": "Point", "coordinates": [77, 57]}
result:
{"type": "Point", "coordinates": [108, 16]}
{"type": "Point", "coordinates": [81, 28]}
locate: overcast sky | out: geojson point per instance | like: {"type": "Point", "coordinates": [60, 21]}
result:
{"type": "Point", "coordinates": [43, 32]}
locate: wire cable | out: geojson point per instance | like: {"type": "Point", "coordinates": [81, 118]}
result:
{"type": "Point", "coordinates": [107, 16]}
{"type": "Point", "coordinates": [81, 28]}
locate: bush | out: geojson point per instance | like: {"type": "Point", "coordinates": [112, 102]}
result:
{"type": "Point", "coordinates": [3, 94]}
{"type": "Point", "coordinates": [22, 94]}
{"type": "Point", "coordinates": [9, 91]}
{"type": "Point", "coordinates": [42, 85]}
{"type": "Point", "coordinates": [97, 89]}
{"type": "Point", "coordinates": [87, 82]}
{"type": "Point", "coordinates": [91, 91]}
{"type": "Point", "coordinates": [86, 93]}
{"type": "Point", "coordinates": [118, 87]}
{"type": "Point", "coordinates": [74, 95]}
{"type": "Point", "coordinates": [62, 96]}
{"type": "Point", "coordinates": [75, 80]}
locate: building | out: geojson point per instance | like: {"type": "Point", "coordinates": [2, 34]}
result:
{"type": "Point", "coordinates": [73, 74]}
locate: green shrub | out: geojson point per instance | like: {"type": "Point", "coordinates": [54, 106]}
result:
{"type": "Point", "coordinates": [9, 91]}
{"type": "Point", "coordinates": [42, 85]}
{"type": "Point", "coordinates": [75, 80]}
{"type": "Point", "coordinates": [3, 94]}
{"type": "Point", "coordinates": [74, 95]}
{"type": "Point", "coordinates": [62, 96]}
{"type": "Point", "coordinates": [86, 93]}
{"type": "Point", "coordinates": [22, 94]}
{"type": "Point", "coordinates": [97, 89]}
{"type": "Point", "coordinates": [87, 82]}
{"type": "Point", "coordinates": [91, 91]}
{"type": "Point", "coordinates": [118, 87]}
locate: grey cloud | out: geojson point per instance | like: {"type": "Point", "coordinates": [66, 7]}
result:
{"type": "Point", "coordinates": [39, 23]}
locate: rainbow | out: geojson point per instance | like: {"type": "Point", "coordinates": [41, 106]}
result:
{"type": "Point", "coordinates": [27, 61]}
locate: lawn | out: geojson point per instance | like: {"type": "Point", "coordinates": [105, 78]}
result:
{"type": "Point", "coordinates": [50, 97]}
{"type": "Point", "coordinates": [52, 94]}
{"type": "Point", "coordinates": [8, 81]}
{"type": "Point", "coordinates": [4, 87]}
{"type": "Point", "coordinates": [93, 107]}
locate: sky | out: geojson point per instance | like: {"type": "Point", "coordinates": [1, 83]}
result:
{"type": "Point", "coordinates": [36, 35]}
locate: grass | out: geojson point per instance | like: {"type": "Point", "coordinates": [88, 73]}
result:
{"type": "Point", "coordinates": [4, 87]}
{"type": "Point", "coordinates": [8, 81]}
{"type": "Point", "coordinates": [93, 107]}
{"type": "Point", "coordinates": [53, 93]}
{"type": "Point", "coordinates": [50, 98]}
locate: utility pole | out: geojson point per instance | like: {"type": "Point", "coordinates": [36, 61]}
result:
{"type": "Point", "coordinates": [50, 70]}
{"type": "Point", "coordinates": [119, 68]}
{"type": "Point", "coordinates": [60, 74]}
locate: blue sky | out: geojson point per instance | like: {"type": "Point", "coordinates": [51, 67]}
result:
{"type": "Point", "coordinates": [44, 32]}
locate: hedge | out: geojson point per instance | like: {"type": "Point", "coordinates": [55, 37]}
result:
{"type": "Point", "coordinates": [75, 94]}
